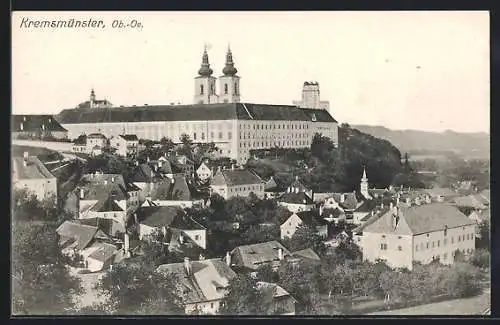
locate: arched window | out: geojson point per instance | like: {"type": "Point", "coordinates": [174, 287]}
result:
{"type": "Point", "coordinates": [236, 90]}
{"type": "Point", "coordinates": [201, 90]}
{"type": "Point", "coordinates": [225, 89]}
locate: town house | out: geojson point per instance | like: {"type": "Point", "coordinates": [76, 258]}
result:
{"type": "Point", "coordinates": [125, 144]}
{"type": "Point", "coordinates": [237, 182]}
{"type": "Point", "coordinates": [404, 235]}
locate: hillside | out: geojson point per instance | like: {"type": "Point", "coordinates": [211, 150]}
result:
{"type": "Point", "coordinates": [423, 142]}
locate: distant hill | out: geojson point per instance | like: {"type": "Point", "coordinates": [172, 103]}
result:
{"type": "Point", "coordinates": [423, 142]}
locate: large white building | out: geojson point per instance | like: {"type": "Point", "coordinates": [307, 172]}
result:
{"type": "Point", "coordinates": [235, 127]}
{"type": "Point", "coordinates": [403, 235]}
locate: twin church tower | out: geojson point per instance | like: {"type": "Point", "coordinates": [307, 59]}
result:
{"type": "Point", "coordinates": [205, 91]}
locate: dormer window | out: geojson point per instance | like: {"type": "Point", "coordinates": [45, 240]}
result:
{"type": "Point", "coordinates": [314, 118]}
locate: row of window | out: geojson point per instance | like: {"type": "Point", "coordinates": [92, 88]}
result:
{"type": "Point", "coordinates": [274, 126]}
{"type": "Point", "coordinates": [249, 188]}
{"type": "Point", "coordinates": [293, 135]}
{"type": "Point", "coordinates": [265, 144]}
{"type": "Point", "coordinates": [434, 244]}
{"type": "Point", "coordinates": [220, 135]}
{"type": "Point", "coordinates": [445, 255]}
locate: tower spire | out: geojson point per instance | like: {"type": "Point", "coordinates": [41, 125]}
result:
{"type": "Point", "coordinates": [229, 69]}
{"type": "Point", "coordinates": [205, 65]}
{"type": "Point", "coordinates": [364, 175]}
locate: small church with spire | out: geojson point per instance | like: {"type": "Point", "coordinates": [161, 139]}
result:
{"type": "Point", "coordinates": [363, 186]}
{"type": "Point", "coordinates": [205, 82]}
{"type": "Point", "coordinates": [94, 103]}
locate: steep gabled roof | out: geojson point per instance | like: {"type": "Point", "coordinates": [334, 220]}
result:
{"type": "Point", "coordinates": [157, 216]}
{"type": "Point", "coordinates": [254, 255]}
{"type": "Point", "coordinates": [295, 198]}
{"type": "Point", "coordinates": [235, 177]}
{"type": "Point", "coordinates": [34, 168]}
{"type": "Point", "coordinates": [311, 218]}
{"type": "Point", "coordinates": [207, 281]}
{"type": "Point", "coordinates": [103, 251]}
{"type": "Point", "coordinates": [81, 234]}
{"type": "Point", "coordinates": [106, 205]}
{"type": "Point", "coordinates": [175, 189]}
{"type": "Point", "coordinates": [33, 123]}
{"type": "Point", "coordinates": [307, 253]}
{"type": "Point", "coordinates": [421, 219]}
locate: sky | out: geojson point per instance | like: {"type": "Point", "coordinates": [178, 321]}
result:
{"type": "Point", "coordinates": [424, 70]}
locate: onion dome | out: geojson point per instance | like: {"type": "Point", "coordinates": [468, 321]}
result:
{"type": "Point", "coordinates": [205, 66]}
{"type": "Point", "coordinates": [229, 69]}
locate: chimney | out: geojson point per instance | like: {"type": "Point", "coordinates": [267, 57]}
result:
{"type": "Point", "coordinates": [25, 155]}
{"type": "Point", "coordinates": [112, 179]}
{"type": "Point", "coordinates": [82, 193]}
{"type": "Point", "coordinates": [187, 265]}
{"type": "Point", "coordinates": [395, 220]}
{"type": "Point", "coordinates": [321, 210]}
{"type": "Point", "coordinates": [228, 259]}
{"type": "Point", "coordinates": [126, 244]}
{"type": "Point", "coordinates": [342, 198]}
{"type": "Point", "coordinates": [280, 254]}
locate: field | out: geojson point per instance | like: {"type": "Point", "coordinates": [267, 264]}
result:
{"type": "Point", "coordinates": [469, 306]}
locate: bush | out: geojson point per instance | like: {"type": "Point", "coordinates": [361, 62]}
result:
{"type": "Point", "coordinates": [481, 258]}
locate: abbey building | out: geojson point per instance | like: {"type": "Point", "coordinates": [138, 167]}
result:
{"type": "Point", "coordinates": [217, 115]}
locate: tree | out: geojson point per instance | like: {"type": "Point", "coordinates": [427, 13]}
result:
{"type": "Point", "coordinates": [483, 238]}
{"type": "Point", "coordinates": [305, 237]}
{"type": "Point", "coordinates": [243, 297]}
{"type": "Point", "coordinates": [26, 206]}
{"type": "Point", "coordinates": [167, 144]}
{"type": "Point", "coordinates": [481, 258]}
{"type": "Point", "coordinates": [463, 280]}
{"type": "Point", "coordinates": [132, 288]}
{"type": "Point", "coordinates": [41, 282]}
{"type": "Point", "coordinates": [301, 282]}
{"type": "Point", "coordinates": [266, 273]}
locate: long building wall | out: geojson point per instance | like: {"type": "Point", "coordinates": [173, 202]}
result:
{"type": "Point", "coordinates": [234, 138]}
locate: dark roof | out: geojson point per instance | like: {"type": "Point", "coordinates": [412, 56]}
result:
{"type": "Point", "coordinates": [144, 174]}
{"type": "Point", "coordinates": [367, 206]}
{"type": "Point", "coordinates": [311, 218]}
{"type": "Point", "coordinates": [157, 216]}
{"type": "Point", "coordinates": [103, 224]}
{"type": "Point", "coordinates": [254, 255]}
{"type": "Point", "coordinates": [295, 198]}
{"type": "Point", "coordinates": [199, 112]}
{"type": "Point", "coordinates": [334, 213]}
{"type": "Point", "coordinates": [32, 123]}
{"type": "Point", "coordinates": [175, 189]}
{"type": "Point", "coordinates": [271, 185]}
{"type": "Point", "coordinates": [106, 205]}
{"type": "Point", "coordinates": [100, 191]}
{"type": "Point", "coordinates": [96, 136]}
{"type": "Point", "coordinates": [235, 177]}
{"type": "Point", "coordinates": [81, 140]}
{"type": "Point", "coordinates": [129, 137]}
{"type": "Point", "coordinates": [350, 200]}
